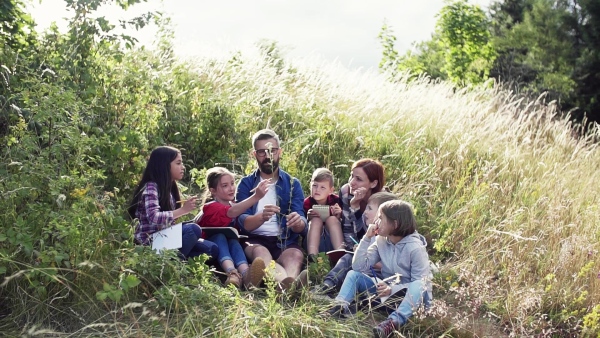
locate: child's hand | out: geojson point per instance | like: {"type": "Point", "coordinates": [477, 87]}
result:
{"type": "Point", "coordinates": [371, 230]}
{"type": "Point", "coordinates": [383, 289]}
{"type": "Point", "coordinates": [261, 189]}
{"type": "Point", "coordinates": [312, 214]}
{"type": "Point", "coordinates": [336, 211]}
{"type": "Point", "coordinates": [189, 205]}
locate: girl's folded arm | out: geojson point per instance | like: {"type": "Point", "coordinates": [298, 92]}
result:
{"type": "Point", "coordinates": [366, 255]}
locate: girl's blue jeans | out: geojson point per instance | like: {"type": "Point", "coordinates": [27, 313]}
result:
{"type": "Point", "coordinates": [193, 245]}
{"type": "Point", "coordinates": [229, 249]}
{"type": "Point", "coordinates": [357, 283]}
{"type": "Point", "coordinates": [338, 273]}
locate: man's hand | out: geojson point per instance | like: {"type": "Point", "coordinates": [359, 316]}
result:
{"type": "Point", "coordinates": [268, 211]}
{"type": "Point", "coordinates": [294, 222]}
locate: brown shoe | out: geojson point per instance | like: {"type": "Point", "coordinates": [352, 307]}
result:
{"type": "Point", "coordinates": [255, 273]}
{"type": "Point", "coordinates": [302, 280]}
{"type": "Point", "coordinates": [234, 277]}
{"type": "Point", "coordinates": [285, 284]}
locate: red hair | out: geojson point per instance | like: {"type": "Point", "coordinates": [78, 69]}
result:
{"type": "Point", "coordinates": [374, 171]}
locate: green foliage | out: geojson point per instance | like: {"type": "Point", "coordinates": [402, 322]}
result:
{"type": "Point", "coordinates": [591, 321]}
{"type": "Point", "coordinates": [389, 59]}
{"type": "Point", "coordinates": [534, 46]}
{"type": "Point", "coordinates": [464, 35]}
{"type": "Point", "coordinates": [16, 26]}
{"type": "Point", "coordinates": [460, 49]}
{"type": "Point", "coordinates": [549, 46]}
{"type": "Point", "coordinates": [425, 58]}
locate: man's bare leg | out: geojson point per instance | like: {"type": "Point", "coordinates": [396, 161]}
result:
{"type": "Point", "coordinates": [291, 260]}
{"type": "Point", "coordinates": [253, 250]}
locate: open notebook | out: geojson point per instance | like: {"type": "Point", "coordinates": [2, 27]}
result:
{"type": "Point", "coordinates": [229, 232]}
{"type": "Point", "coordinates": [335, 255]}
{"type": "Point", "coordinates": [167, 238]}
{"type": "Point", "coordinates": [323, 211]}
{"type": "Point", "coordinates": [391, 281]}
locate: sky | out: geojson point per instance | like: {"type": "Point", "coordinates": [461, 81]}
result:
{"type": "Point", "coordinates": [343, 31]}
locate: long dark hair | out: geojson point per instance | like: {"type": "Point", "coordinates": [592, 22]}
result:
{"type": "Point", "coordinates": [158, 170]}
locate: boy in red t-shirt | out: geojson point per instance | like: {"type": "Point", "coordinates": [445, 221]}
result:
{"type": "Point", "coordinates": [328, 237]}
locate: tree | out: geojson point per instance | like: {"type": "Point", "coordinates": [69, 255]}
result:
{"type": "Point", "coordinates": [16, 26]}
{"type": "Point", "coordinates": [425, 58]}
{"type": "Point", "coordinates": [460, 49]}
{"type": "Point", "coordinates": [586, 27]}
{"type": "Point", "coordinates": [465, 38]}
{"type": "Point", "coordinates": [551, 46]}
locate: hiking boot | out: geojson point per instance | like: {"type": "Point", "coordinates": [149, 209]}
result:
{"type": "Point", "coordinates": [385, 328]}
{"type": "Point", "coordinates": [338, 311]}
{"type": "Point", "coordinates": [234, 277]}
{"type": "Point", "coordinates": [255, 273]}
{"type": "Point", "coordinates": [312, 258]}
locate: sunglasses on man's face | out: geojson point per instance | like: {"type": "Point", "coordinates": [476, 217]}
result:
{"type": "Point", "coordinates": [263, 152]}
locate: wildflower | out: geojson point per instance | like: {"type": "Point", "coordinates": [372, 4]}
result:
{"type": "Point", "coordinates": [270, 149]}
{"type": "Point", "coordinates": [60, 199]}
{"type": "Point", "coordinates": [77, 193]}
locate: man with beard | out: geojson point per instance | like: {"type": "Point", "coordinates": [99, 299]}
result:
{"type": "Point", "coordinates": [273, 224]}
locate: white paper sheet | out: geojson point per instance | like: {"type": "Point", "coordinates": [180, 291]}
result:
{"type": "Point", "coordinates": [168, 238]}
{"type": "Point", "coordinates": [392, 281]}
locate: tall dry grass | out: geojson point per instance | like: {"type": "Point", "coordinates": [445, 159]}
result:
{"type": "Point", "coordinates": [509, 187]}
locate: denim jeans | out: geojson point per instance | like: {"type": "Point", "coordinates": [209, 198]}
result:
{"type": "Point", "coordinates": [357, 283]}
{"type": "Point", "coordinates": [416, 294]}
{"type": "Point", "coordinates": [193, 245]}
{"type": "Point", "coordinates": [335, 277]}
{"type": "Point", "coordinates": [229, 249]}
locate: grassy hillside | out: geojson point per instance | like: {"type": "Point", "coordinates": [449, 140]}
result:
{"type": "Point", "coordinates": [504, 191]}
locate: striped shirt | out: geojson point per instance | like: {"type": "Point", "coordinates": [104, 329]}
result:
{"type": "Point", "coordinates": [149, 214]}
